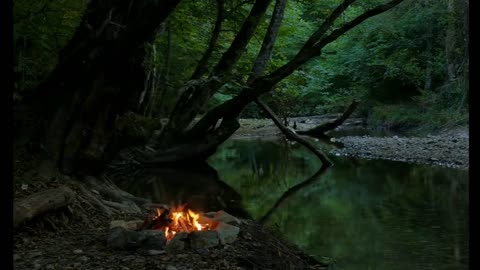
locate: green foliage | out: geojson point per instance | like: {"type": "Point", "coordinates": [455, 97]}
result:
{"type": "Point", "coordinates": [386, 61]}
{"type": "Point", "coordinates": [40, 30]}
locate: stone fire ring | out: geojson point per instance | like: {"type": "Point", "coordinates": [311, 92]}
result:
{"type": "Point", "coordinates": [125, 235]}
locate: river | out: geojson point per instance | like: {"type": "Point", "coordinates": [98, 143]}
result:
{"type": "Point", "coordinates": [360, 214]}
{"type": "Point", "coordinates": [357, 215]}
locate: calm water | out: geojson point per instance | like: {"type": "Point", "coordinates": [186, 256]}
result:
{"type": "Point", "coordinates": [360, 214]}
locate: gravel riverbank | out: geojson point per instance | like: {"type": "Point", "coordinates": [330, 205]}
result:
{"type": "Point", "coordinates": [448, 148]}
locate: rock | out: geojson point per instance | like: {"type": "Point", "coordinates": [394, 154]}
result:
{"type": "Point", "coordinates": [153, 252]}
{"type": "Point", "coordinates": [77, 251]}
{"type": "Point", "coordinates": [35, 254]}
{"type": "Point", "coordinates": [222, 216]}
{"type": "Point", "coordinates": [210, 214]}
{"type": "Point", "coordinates": [133, 224]}
{"type": "Point", "coordinates": [177, 243]}
{"type": "Point", "coordinates": [171, 267]}
{"type": "Point", "coordinates": [227, 233]}
{"type": "Point", "coordinates": [117, 223]}
{"type": "Point", "coordinates": [153, 239]}
{"type": "Point", "coordinates": [128, 258]}
{"type": "Point", "coordinates": [202, 219]}
{"type": "Point", "coordinates": [121, 238]}
{"type": "Point", "coordinates": [203, 239]}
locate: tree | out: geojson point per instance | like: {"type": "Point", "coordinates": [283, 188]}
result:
{"type": "Point", "coordinates": [100, 75]}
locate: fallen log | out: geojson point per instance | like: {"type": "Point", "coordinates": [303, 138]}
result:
{"type": "Point", "coordinates": [290, 134]}
{"type": "Point", "coordinates": [321, 129]}
{"type": "Point", "coordinates": [40, 203]}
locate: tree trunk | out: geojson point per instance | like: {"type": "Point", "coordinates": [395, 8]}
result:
{"type": "Point", "coordinates": [151, 76]}
{"type": "Point", "coordinates": [158, 97]}
{"type": "Point", "coordinates": [197, 93]}
{"type": "Point", "coordinates": [202, 66]}
{"type": "Point", "coordinates": [429, 53]}
{"type": "Point", "coordinates": [99, 76]}
{"type": "Point", "coordinates": [233, 107]}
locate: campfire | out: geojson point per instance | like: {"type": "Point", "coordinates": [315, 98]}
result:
{"type": "Point", "coordinates": [178, 219]}
{"type": "Point", "coordinates": [173, 229]}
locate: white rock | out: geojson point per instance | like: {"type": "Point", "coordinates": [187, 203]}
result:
{"type": "Point", "coordinates": [227, 233]}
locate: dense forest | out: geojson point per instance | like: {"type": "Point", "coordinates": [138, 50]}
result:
{"type": "Point", "coordinates": [113, 87]}
{"type": "Point", "coordinates": [409, 66]}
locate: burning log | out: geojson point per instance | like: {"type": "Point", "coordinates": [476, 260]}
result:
{"type": "Point", "coordinates": [158, 221]}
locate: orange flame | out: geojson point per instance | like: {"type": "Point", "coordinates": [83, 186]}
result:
{"type": "Point", "coordinates": [182, 221]}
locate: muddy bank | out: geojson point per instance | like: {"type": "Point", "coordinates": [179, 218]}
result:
{"type": "Point", "coordinates": [448, 148]}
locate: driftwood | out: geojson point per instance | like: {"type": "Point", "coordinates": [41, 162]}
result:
{"type": "Point", "coordinates": [321, 129]}
{"type": "Point", "coordinates": [292, 135]}
{"type": "Point", "coordinates": [40, 203]}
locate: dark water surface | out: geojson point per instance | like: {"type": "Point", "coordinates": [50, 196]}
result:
{"type": "Point", "coordinates": [361, 214]}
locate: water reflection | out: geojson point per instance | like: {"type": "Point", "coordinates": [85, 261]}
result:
{"type": "Point", "coordinates": [196, 185]}
{"type": "Point", "coordinates": [364, 214]}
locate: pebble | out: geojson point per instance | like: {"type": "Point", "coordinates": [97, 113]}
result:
{"type": "Point", "coordinates": [128, 258]}
{"type": "Point", "coordinates": [153, 252]}
{"type": "Point", "coordinates": [35, 254]}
